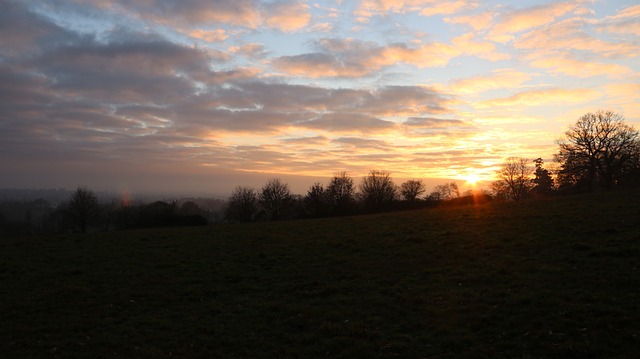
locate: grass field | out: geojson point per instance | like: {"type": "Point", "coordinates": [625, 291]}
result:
{"type": "Point", "coordinates": [556, 278]}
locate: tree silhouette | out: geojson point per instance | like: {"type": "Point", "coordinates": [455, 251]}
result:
{"type": "Point", "coordinates": [316, 200]}
{"type": "Point", "coordinates": [447, 191]}
{"type": "Point", "coordinates": [377, 190]}
{"type": "Point", "coordinates": [514, 182]}
{"type": "Point", "coordinates": [412, 189]}
{"type": "Point", "coordinates": [542, 182]}
{"type": "Point", "coordinates": [340, 193]}
{"type": "Point", "coordinates": [274, 197]}
{"type": "Point", "coordinates": [83, 207]}
{"type": "Point", "coordinates": [242, 205]}
{"type": "Point", "coordinates": [599, 149]}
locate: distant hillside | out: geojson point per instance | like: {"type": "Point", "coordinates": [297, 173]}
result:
{"type": "Point", "coordinates": [51, 195]}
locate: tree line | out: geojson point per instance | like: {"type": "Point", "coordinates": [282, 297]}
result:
{"type": "Point", "coordinates": [598, 152]}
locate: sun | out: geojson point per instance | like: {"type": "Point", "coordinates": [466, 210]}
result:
{"type": "Point", "coordinates": [472, 179]}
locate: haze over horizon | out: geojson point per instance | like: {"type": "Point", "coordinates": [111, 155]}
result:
{"type": "Point", "coordinates": [201, 96]}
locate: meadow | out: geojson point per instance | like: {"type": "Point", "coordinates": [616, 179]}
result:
{"type": "Point", "coordinates": [551, 278]}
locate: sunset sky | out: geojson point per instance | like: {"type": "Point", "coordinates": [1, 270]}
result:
{"type": "Point", "coordinates": [202, 96]}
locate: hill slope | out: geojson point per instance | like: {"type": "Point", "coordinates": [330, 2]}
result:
{"type": "Point", "coordinates": [553, 278]}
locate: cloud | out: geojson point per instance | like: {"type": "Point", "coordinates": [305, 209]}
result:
{"type": "Point", "coordinates": [234, 12]}
{"type": "Point", "coordinates": [24, 33]}
{"type": "Point", "coordinates": [217, 35]}
{"type": "Point", "coordinates": [625, 98]}
{"type": "Point", "coordinates": [498, 79]}
{"type": "Point", "coordinates": [352, 58]}
{"type": "Point", "coordinates": [361, 143]}
{"type": "Point", "coordinates": [369, 8]}
{"type": "Point", "coordinates": [322, 27]}
{"type": "Point", "coordinates": [568, 36]}
{"type": "Point", "coordinates": [287, 15]}
{"type": "Point", "coordinates": [347, 123]}
{"type": "Point", "coordinates": [429, 126]}
{"type": "Point", "coordinates": [524, 19]}
{"type": "Point", "coordinates": [125, 71]}
{"type": "Point", "coordinates": [625, 22]}
{"type": "Point", "coordinates": [477, 22]}
{"type": "Point", "coordinates": [567, 65]}
{"type": "Point", "coordinates": [252, 50]}
{"type": "Point", "coordinates": [542, 97]}
{"type": "Point", "coordinates": [284, 15]}
{"type": "Point", "coordinates": [430, 122]}
{"type": "Point", "coordinates": [483, 49]}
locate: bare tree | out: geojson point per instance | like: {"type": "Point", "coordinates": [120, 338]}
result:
{"type": "Point", "coordinates": [377, 190]}
{"type": "Point", "coordinates": [514, 179]}
{"type": "Point", "coordinates": [274, 197]}
{"type": "Point", "coordinates": [83, 207]}
{"type": "Point", "coordinates": [340, 193]}
{"type": "Point", "coordinates": [242, 205]}
{"type": "Point", "coordinates": [598, 149]}
{"type": "Point", "coordinates": [412, 189]}
{"type": "Point", "coordinates": [445, 192]}
{"type": "Point", "coordinates": [316, 200]}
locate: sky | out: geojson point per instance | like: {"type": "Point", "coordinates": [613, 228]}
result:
{"type": "Point", "coordinates": [197, 96]}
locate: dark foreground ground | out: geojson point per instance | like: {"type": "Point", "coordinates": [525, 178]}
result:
{"type": "Point", "coordinates": [555, 278]}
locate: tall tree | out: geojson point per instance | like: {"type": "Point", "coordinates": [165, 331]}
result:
{"type": "Point", "coordinates": [411, 189]}
{"type": "Point", "coordinates": [340, 193]}
{"type": "Point", "coordinates": [542, 181]}
{"type": "Point", "coordinates": [316, 200]}
{"type": "Point", "coordinates": [377, 190]}
{"type": "Point", "coordinates": [445, 192]}
{"type": "Point", "coordinates": [274, 197]}
{"type": "Point", "coordinates": [514, 182]}
{"type": "Point", "coordinates": [83, 207]}
{"type": "Point", "coordinates": [242, 205]}
{"type": "Point", "coordinates": [598, 150]}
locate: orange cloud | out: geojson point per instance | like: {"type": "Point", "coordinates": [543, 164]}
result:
{"type": "Point", "coordinates": [369, 8]}
{"type": "Point", "coordinates": [499, 79]}
{"type": "Point", "coordinates": [567, 35]}
{"type": "Point", "coordinates": [477, 22]}
{"type": "Point", "coordinates": [625, 22]}
{"type": "Point", "coordinates": [252, 50]}
{"type": "Point", "coordinates": [525, 19]}
{"type": "Point", "coordinates": [486, 50]}
{"type": "Point", "coordinates": [288, 16]}
{"type": "Point", "coordinates": [217, 35]}
{"type": "Point", "coordinates": [625, 97]}
{"type": "Point", "coordinates": [542, 97]}
{"type": "Point", "coordinates": [351, 58]}
{"type": "Point", "coordinates": [569, 66]}
{"type": "Point", "coordinates": [447, 7]}
{"type": "Point", "coordinates": [632, 11]}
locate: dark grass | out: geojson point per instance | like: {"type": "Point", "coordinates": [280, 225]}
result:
{"type": "Point", "coordinates": [555, 278]}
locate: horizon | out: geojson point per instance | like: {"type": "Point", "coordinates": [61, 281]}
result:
{"type": "Point", "coordinates": [193, 97]}
{"type": "Point", "coordinates": [297, 185]}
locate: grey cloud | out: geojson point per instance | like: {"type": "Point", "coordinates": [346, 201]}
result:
{"type": "Point", "coordinates": [189, 12]}
{"type": "Point", "coordinates": [315, 140]}
{"type": "Point", "coordinates": [24, 33]}
{"type": "Point", "coordinates": [126, 71]}
{"type": "Point", "coordinates": [428, 126]}
{"type": "Point", "coordinates": [347, 122]}
{"type": "Point", "coordinates": [361, 143]}
{"type": "Point", "coordinates": [334, 58]}
{"type": "Point", "coordinates": [319, 64]}
{"type": "Point", "coordinates": [429, 122]}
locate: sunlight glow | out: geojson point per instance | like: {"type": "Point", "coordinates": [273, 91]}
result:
{"type": "Point", "coordinates": [472, 179]}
